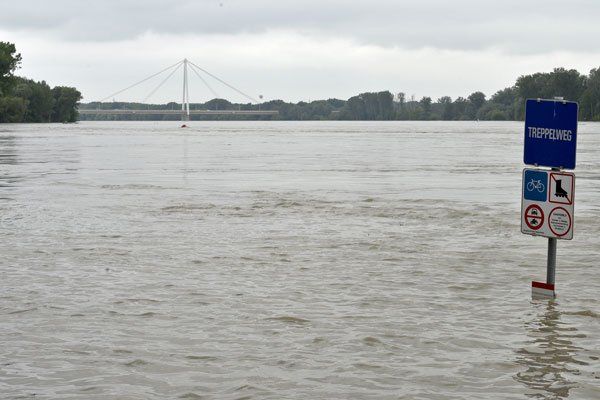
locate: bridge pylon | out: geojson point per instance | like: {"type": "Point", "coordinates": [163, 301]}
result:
{"type": "Point", "coordinates": [185, 103]}
{"type": "Point", "coordinates": [185, 112]}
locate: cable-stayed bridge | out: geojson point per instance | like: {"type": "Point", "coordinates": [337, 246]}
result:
{"type": "Point", "coordinates": [185, 112]}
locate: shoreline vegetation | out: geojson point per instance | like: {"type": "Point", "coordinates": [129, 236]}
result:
{"type": "Point", "coordinates": [25, 100]}
{"type": "Point", "coordinates": [505, 105]}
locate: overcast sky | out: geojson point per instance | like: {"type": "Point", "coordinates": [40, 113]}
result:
{"type": "Point", "coordinates": [300, 50]}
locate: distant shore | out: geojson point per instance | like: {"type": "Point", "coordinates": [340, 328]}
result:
{"type": "Point", "coordinates": [505, 105]}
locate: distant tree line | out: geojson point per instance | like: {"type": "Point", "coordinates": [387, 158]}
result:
{"type": "Point", "coordinates": [509, 103]}
{"type": "Point", "coordinates": [505, 104]}
{"type": "Point", "coordinates": [24, 100]}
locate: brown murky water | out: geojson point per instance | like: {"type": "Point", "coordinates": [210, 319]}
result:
{"type": "Point", "coordinates": [317, 260]}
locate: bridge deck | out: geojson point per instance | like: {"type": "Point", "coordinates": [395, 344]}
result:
{"type": "Point", "coordinates": [175, 112]}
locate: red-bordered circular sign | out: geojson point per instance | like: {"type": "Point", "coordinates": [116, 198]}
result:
{"type": "Point", "coordinates": [559, 221]}
{"type": "Point", "coordinates": [534, 217]}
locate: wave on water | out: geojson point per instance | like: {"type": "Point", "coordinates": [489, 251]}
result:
{"type": "Point", "coordinates": [137, 363]}
{"type": "Point", "coordinates": [289, 320]}
{"type": "Point", "coordinates": [186, 208]}
{"type": "Point", "coordinates": [272, 260]}
{"type": "Point", "coordinates": [583, 313]}
{"type": "Point", "coordinates": [202, 358]}
{"type": "Point", "coordinates": [134, 186]}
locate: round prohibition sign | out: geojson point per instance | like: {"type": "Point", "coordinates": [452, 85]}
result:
{"type": "Point", "coordinates": [534, 217]}
{"type": "Point", "coordinates": [559, 221]}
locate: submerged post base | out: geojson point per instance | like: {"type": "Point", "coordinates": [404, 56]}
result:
{"type": "Point", "coordinates": [542, 290]}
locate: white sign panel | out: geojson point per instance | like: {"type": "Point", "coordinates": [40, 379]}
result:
{"type": "Point", "coordinates": [547, 203]}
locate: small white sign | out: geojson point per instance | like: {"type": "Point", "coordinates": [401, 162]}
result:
{"type": "Point", "coordinates": [547, 203]}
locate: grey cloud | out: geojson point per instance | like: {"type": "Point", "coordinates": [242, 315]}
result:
{"type": "Point", "coordinates": [510, 25]}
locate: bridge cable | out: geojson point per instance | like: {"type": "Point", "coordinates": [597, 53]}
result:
{"type": "Point", "coordinates": [162, 83]}
{"type": "Point", "coordinates": [204, 81]}
{"type": "Point", "coordinates": [225, 83]}
{"type": "Point", "coordinates": [142, 81]}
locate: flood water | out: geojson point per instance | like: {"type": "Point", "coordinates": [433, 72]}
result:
{"type": "Point", "coordinates": [288, 260]}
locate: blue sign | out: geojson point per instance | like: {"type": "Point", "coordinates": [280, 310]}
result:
{"type": "Point", "coordinates": [550, 133]}
{"type": "Point", "coordinates": [535, 185]}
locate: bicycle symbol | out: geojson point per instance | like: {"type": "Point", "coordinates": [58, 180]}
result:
{"type": "Point", "coordinates": [535, 184]}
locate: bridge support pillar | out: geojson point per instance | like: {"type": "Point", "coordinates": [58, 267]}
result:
{"type": "Point", "coordinates": [185, 103]}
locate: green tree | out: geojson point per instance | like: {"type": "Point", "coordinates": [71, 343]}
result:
{"type": "Point", "coordinates": [425, 103]}
{"type": "Point", "coordinates": [10, 60]}
{"type": "Point", "coordinates": [371, 105]}
{"type": "Point", "coordinates": [568, 84]}
{"type": "Point", "coordinates": [12, 109]}
{"type": "Point", "coordinates": [460, 108]}
{"type": "Point", "coordinates": [355, 108]}
{"type": "Point", "coordinates": [66, 100]}
{"type": "Point", "coordinates": [492, 111]}
{"type": "Point", "coordinates": [39, 101]}
{"type": "Point", "coordinates": [561, 82]}
{"type": "Point", "coordinates": [589, 106]}
{"type": "Point", "coordinates": [401, 111]}
{"type": "Point", "coordinates": [505, 96]}
{"type": "Point", "coordinates": [218, 104]}
{"type": "Point", "coordinates": [507, 100]}
{"type": "Point", "coordinates": [476, 101]}
{"type": "Point", "coordinates": [447, 108]}
{"type": "Point", "coordinates": [385, 102]}
{"type": "Point", "coordinates": [533, 86]}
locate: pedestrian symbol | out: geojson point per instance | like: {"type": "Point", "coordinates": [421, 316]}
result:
{"type": "Point", "coordinates": [561, 188]}
{"type": "Point", "coordinates": [535, 185]}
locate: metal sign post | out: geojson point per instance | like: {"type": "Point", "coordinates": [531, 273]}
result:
{"type": "Point", "coordinates": [551, 260]}
{"type": "Point", "coordinates": [551, 263]}
{"type": "Point", "coordinates": [548, 195]}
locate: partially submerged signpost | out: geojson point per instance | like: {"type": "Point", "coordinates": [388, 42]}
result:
{"type": "Point", "coordinates": [548, 195]}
